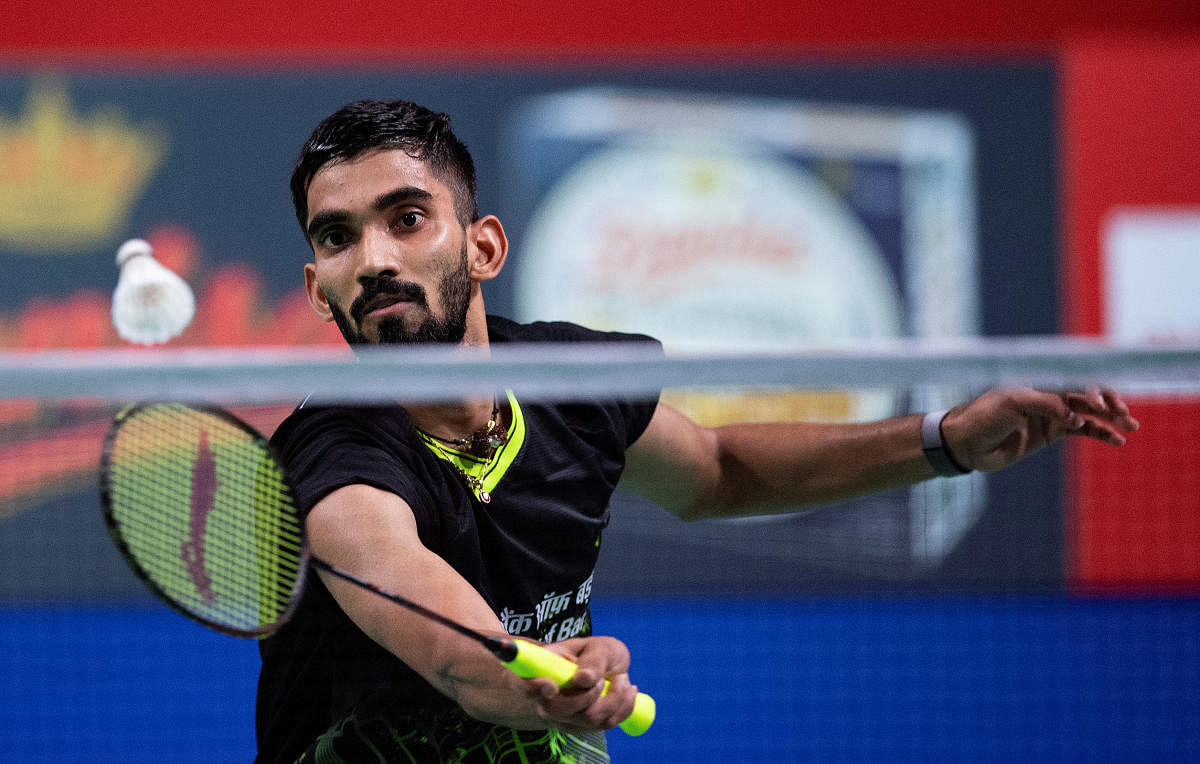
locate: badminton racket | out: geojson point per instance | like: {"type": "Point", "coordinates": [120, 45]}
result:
{"type": "Point", "coordinates": [201, 509]}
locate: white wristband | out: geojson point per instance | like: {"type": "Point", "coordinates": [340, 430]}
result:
{"type": "Point", "coordinates": [935, 448]}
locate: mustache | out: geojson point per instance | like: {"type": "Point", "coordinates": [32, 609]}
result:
{"type": "Point", "coordinates": [402, 290]}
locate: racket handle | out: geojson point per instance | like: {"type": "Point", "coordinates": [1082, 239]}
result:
{"type": "Point", "coordinates": [536, 661]}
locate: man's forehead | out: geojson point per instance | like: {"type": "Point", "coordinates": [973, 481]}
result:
{"type": "Point", "coordinates": [363, 178]}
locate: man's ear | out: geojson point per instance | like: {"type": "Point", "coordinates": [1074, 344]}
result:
{"type": "Point", "coordinates": [487, 248]}
{"type": "Point", "coordinates": [316, 295]}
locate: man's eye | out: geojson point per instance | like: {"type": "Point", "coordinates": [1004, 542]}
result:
{"type": "Point", "coordinates": [409, 219]}
{"type": "Point", "coordinates": [333, 239]}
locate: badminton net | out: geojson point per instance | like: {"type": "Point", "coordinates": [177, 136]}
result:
{"type": "Point", "coordinates": [922, 592]}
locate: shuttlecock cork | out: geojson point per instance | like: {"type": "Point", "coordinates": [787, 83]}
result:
{"type": "Point", "coordinates": [150, 304]}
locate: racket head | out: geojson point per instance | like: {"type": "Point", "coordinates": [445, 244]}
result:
{"type": "Point", "coordinates": [200, 508]}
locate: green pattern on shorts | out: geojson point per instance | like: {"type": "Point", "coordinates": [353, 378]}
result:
{"type": "Point", "coordinates": [453, 738]}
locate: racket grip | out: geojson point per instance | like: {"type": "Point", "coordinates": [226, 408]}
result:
{"type": "Point", "coordinates": [536, 661]}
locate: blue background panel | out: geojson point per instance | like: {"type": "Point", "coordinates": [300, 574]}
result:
{"type": "Point", "coordinates": [861, 677]}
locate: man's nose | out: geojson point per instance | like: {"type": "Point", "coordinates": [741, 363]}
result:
{"type": "Point", "coordinates": [376, 256]}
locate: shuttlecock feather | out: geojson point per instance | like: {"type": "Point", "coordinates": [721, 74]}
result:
{"type": "Point", "coordinates": [150, 304]}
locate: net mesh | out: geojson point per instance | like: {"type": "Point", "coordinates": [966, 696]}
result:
{"type": "Point", "coordinates": [1049, 609]}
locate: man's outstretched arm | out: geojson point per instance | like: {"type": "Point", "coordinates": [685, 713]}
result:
{"type": "Point", "coordinates": [373, 533]}
{"type": "Point", "coordinates": [698, 472]}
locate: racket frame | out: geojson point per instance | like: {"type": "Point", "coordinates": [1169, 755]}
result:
{"type": "Point", "coordinates": [118, 537]}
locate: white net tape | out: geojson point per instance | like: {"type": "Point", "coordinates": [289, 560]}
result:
{"type": "Point", "coordinates": [251, 375]}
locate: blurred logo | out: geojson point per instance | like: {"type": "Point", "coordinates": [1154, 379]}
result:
{"type": "Point", "coordinates": [68, 182]}
{"type": "Point", "coordinates": [707, 246]}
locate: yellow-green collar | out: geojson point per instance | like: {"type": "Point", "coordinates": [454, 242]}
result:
{"type": "Point", "coordinates": [483, 475]}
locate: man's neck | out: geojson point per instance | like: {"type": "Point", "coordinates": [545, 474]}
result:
{"type": "Point", "coordinates": [459, 419]}
{"type": "Point", "coordinates": [450, 421]}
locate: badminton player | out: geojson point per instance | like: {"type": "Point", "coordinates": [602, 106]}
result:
{"type": "Point", "coordinates": [492, 509]}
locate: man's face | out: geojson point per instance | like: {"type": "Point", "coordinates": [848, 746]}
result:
{"type": "Point", "coordinates": [390, 258]}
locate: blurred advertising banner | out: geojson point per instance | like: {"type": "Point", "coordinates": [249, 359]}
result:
{"type": "Point", "coordinates": [704, 207]}
{"type": "Point", "coordinates": [88, 167]}
{"type": "Point", "coordinates": [762, 223]}
{"type": "Point", "coordinates": [86, 162]}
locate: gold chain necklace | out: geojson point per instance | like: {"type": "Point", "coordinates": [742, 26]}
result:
{"type": "Point", "coordinates": [482, 445]}
{"type": "Point", "coordinates": [474, 483]}
{"type": "Point", "coordinates": [483, 442]}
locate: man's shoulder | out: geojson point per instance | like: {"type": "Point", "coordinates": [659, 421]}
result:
{"type": "Point", "coordinates": [311, 420]}
{"type": "Point", "coordinates": [502, 329]}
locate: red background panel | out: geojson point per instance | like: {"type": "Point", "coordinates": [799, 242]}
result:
{"type": "Point", "coordinates": [1135, 519]}
{"type": "Point", "coordinates": [500, 32]}
{"type": "Point", "coordinates": [1130, 136]}
{"type": "Point", "coordinates": [1130, 132]}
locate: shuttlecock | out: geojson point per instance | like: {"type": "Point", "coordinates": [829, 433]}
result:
{"type": "Point", "coordinates": [150, 304]}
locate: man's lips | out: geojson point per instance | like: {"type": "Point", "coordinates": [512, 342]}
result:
{"type": "Point", "coordinates": [384, 297]}
{"type": "Point", "coordinates": [385, 303]}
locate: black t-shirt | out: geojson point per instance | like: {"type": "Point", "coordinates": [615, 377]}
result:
{"type": "Point", "coordinates": [530, 551]}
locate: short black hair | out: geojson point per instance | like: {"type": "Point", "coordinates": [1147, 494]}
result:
{"type": "Point", "coordinates": [367, 125]}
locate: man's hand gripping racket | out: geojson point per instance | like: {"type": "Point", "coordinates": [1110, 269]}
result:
{"type": "Point", "coordinates": [202, 511]}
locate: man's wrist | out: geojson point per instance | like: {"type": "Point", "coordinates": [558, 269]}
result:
{"type": "Point", "coordinates": [934, 446]}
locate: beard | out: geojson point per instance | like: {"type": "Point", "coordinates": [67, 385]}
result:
{"type": "Point", "coordinates": [454, 290]}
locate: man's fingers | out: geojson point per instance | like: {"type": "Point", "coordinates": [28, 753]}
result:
{"type": "Point", "coordinates": [1089, 401]}
{"type": "Point", "coordinates": [1123, 419]}
{"type": "Point", "coordinates": [1050, 406]}
{"type": "Point", "coordinates": [1100, 431]}
{"type": "Point", "coordinates": [1114, 400]}
{"type": "Point", "coordinates": [1105, 404]}
{"type": "Point", "coordinates": [624, 694]}
{"type": "Point", "coordinates": [582, 680]}
{"type": "Point", "coordinates": [567, 703]}
{"type": "Point", "coordinates": [591, 709]}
